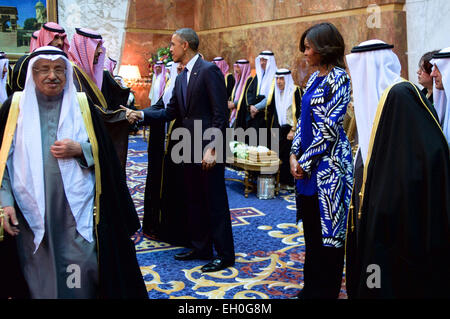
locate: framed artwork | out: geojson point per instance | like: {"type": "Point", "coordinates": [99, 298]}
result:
{"type": "Point", "coordinates": [19, 19]}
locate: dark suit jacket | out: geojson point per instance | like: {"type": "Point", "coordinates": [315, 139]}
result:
{"type": "Point", "coordinates": [206, 101]}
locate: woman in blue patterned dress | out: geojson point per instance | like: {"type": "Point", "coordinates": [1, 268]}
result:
{"type": "Point", "coordinates": [321, 162]}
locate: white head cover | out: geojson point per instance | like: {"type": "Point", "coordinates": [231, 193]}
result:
{"type": "Point", "coordinates": [4, 62]}
{"type": "Point", "coordinates": [441, 98]}
{"type": "Point", "coordinates": [282, 103]}
{"type": "Point", "coordinates": [158, 83]}
{"type": "Point", "coordinates": [269, 74]}
{"type": "Point", "coordinates": [27, 170]}
{"type": "Point", "coordinates": [169, 88]}
{"type": "Point", "coordinates": [373, 68]}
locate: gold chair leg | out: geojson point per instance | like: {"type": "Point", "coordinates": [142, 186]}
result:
{"type": "Point", "coordinates": [247, 184]}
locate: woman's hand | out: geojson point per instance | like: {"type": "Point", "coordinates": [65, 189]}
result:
{"type": "Point", "coordinates": [291, 135]}
{"type": "Point", "coordinates": [296, 169]}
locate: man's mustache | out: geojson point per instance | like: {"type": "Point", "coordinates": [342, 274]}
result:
{"type": "Point", "coordinates": [49, 81]}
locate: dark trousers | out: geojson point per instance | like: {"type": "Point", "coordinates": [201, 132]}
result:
{"type": "Point", "coordinates": [323, 269]}
{"type": "Point", "coordinates": [209, 220]}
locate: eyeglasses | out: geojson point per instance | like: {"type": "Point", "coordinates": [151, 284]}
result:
{"type": "Point", "coordinates": [46, 71]}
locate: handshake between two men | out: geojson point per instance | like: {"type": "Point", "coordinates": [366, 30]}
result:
{"type": "Point", "coordinates": [209, 158]}
{"type": "Point", "coordinates": [132, 116]}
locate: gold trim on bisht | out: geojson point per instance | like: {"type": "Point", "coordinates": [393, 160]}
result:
{"type": "Point", "coordinates": [93, 86]}
{"type": "Point", "coordinates": [86, 113]}
{"type": "Point", "coordinates": [269, 98]}
{"type": "Point", "coordinates": [376, 122]}
{"type": "Point", "coordinates": [374, 130]}
{"type": "Point", "coordinates": [8, 135]}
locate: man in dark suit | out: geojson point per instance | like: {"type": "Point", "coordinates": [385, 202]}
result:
{"type": "Point", "coordinates": [199, 101]}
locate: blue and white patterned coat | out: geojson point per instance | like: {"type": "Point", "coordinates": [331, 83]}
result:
{"type": "Point", "coordinates": [330, 154]}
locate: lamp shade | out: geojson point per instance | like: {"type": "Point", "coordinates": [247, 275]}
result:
{"type": "Point", "coordinates": [129, 72]}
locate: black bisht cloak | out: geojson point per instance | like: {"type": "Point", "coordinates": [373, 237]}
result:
{"type": "Point", "coordinates": [19, 73]}
{"type": "Point", "coordinates": [165, 215]}
{"type": "Point", "coordinates": [253, 98]}
{"type": "Point", "coordinates": [9, 81]}
{"type": "Point", "coordinates": [114, 94]}
{"type": "Point", "coordinates": [107, 102]}
{"type": "Point", "coordinates": [229, 82]}
{"type": "Point", "coordinates": [119, 272]}
{"type": "Point", "coordinates": [242, 113]}
{"type": "Point", "coordinates": [117, 125]}
{"type": "Point", "coordinates": [405, 223]}
{"type": "Point", "coordinates": [284, 150]}
{"type": "Point", "coordinates": [151, 224]}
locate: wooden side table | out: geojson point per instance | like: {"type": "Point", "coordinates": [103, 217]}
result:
{"type": "Point", "coordinates": [251, 168]}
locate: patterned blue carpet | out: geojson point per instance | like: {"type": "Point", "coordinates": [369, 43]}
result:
{"type": "Point", "coordinates": [269, 246]}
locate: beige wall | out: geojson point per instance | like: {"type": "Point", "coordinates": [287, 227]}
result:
{"type": "Point", "coordinates": [242, 29]}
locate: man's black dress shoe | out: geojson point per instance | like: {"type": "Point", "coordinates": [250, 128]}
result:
{"type": "Point", "coordinates": [190, 255]}
{"type": "Point", "coordinates": [217, 264]}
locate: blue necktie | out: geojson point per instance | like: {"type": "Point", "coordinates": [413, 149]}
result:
{"type": "Point", "coordinates": [183, 76]}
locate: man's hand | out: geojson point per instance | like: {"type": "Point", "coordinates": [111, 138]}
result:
{"type": "Point", "coordinates": [131, 115]}
{"type": "Point", "coordinates": [296, 169]}
{"type": "Point", "coordinates": [10, 224]}
{"type": "Point", "coordinates": [127, 111]}
{"type": "Point", "coordinates": [209, 159]}
{"type": "Point", "coordinates": [66, 148]}
{"type": "Point", "coordinates": [230, 105]}
{"type": "Point", "coordinates": [253, 111]}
